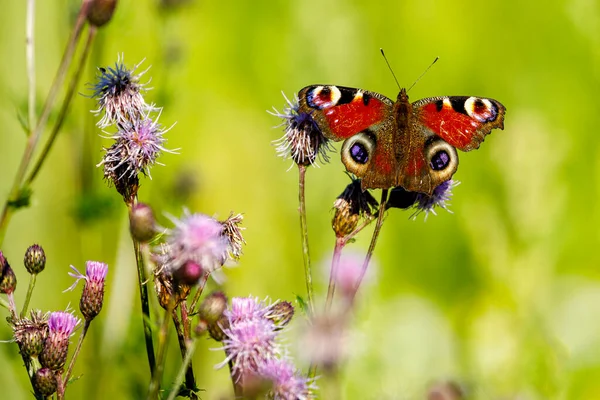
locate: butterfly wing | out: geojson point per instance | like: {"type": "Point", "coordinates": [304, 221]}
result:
{"type": "Point", "coordinates": [462, 121]}
{"type": "Point", "coordinates": [364, 120]}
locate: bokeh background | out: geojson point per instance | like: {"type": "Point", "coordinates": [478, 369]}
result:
{"type": "Point", "coordinates": [501, 296]}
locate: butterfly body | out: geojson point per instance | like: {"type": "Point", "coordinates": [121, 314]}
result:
{"type": "Point", "coordinates": [389, 144]}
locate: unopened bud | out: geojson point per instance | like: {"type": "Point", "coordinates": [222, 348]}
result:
{"type": "Point", "coordinates": [44, 382]}
{"type": "Point", "coordinates": [281, 313]}
{"type": "Point", "coordinates": [189, 273]}
{"type": "Point", "coordinates": [142, 222]}
{"type": "Point", "coordinates": [8, 280]}
{"type": "Point", "coordinates": [201, 328]}
{"type": "Point", "coordinates": [344, 221]}
{"type": "Point", "coordinates": [212, 307]}
{"type": "Point", "coordinates": [215, 329]}
{"type": "Point", "coordinates": [100, 12]}
{"type": "Point", "coordinates": [35, 259]}
{"type": "Point", "coordinates": [350, 206]}
{"type": "Point", "coordinates": [445, 391]}
{"type": "Point", "coordinates": [30, 334]}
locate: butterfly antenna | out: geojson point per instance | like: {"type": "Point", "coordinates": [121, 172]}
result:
{"type": "Point", "coordinates": [424, 72]}
{"type": "Point", "coordinates": [390, 67]}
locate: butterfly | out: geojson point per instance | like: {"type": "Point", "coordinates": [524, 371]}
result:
{"type": "Point", "coordinates": [400, 144]}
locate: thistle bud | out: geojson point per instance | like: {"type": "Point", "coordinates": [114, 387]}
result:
{"type": "Point", "coordinates": [100, 12]}
{"type": "Point", "coordinates": [35, 259]}
{"type": "Point", "coordinates": [215, 329]}
{"type": "Point", "coordinates": [212, 307]}
{"type": "Point", "coordinates": [281, 313]}
{"type": "Point", "coordinates": [56, 346]}
{"type": "Point", "coordinates": [30, 334]}
{"type": "Point", "coordinates": [44, 382]}
{"type": "Point", "coordinates": [142, 223]}
{"type": "Point", "coordinates": [92, 296]}
{"type": "Point", "coordinates": [8, 279]}
{"type": "Point", "coordinates": [350, 206]}
{"type": "Point", "coordinates": [189, 273]}
{"type": "Point", "coordinates": [445, 391]}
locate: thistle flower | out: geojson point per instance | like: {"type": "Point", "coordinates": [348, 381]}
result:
{"type": "Point", "coordinates": [247, 344]}
{"type": "Point", "coordinates": [348, 272]}
{"type": "Point", "coordinates": [92, 296]}
{"type": "Point", "coordinates": [350, 206]}
{"type": "Point", "coordinates": [401, 198]}
{"type": "Point", "coordinates": [286, 382]}
{"type": "Point", "coordinates": [247, 308]}
{"type": "Point", "coordinates": [45, 382]}
{"type": "Point", "coordinates": [56, 346]}
{"type": "Point", "coordinates": [30, 333]}
{"type": "Point", "coordinates": [119, 94]}
{"type": "Point", "coordinates": [324, 342]}
{"type": "Point", "coordinates": [196, 238]}
{"type": "Point", "coordinates": [35, 259]}
{"type": "Point", "coordinates": [303, 141]}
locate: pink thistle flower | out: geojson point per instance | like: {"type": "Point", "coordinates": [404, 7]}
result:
{"type": "Point", "coordinates": [60, 328]}
{"type": "Point", "coordinates": [92, 296]}
{"type": "Point", "coordinates": [287, 382]}
{"type": "Point", "coordinates": [248, 344]}
{"type": "Point", "coordinates": [247, 308]}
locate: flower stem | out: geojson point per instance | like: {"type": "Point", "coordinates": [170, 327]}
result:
{"type": "Point", "coordinates": [304, 233]}
{"type": "Point", "coordinates": [13, 200]}
{"type": "Point", "coordinates": [182, 338]}
{"type": "Point", "coordinates": [32, 279]}
{"type": "Point", "coordinates": [163, 336]}
{"type": "Point", "coordinates": [337, 252]}
{"type": "Point", "coordinates": [30, 54]}
{"type": "Point", "coordinates": [198, 293]}
{"type": "Point", "coordinates": [382, 203]}
{"type": "Point", "coordinates": [191, 348]}
{"type": "Point", "coordinates": [86, 326]}
{"type": "Point", "coordinates": [142, 278]}
{"type": "Point", "coordinates": [65, 106]}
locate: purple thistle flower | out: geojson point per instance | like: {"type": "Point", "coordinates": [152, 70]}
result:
{"type": "Point", "coordinates": [119, 94]}
{"type": "Point", "coordinates": [287, 382]}
{"type": "Point", "coordinates": [248, 344]}
{"type": "Point", "coordinates": [196, 238]}
{"type": "Point", "coordinates": [60, 328]}
{"type": "Point", "coordinates": [440, 198]}
{"type": "Point", "coordinates": [303, 141]}
{"type": "Point", "coordinates": [137, 146]}
{"type": "Point", "coordinates": [247, 308]}
{"type": "Point", "coordinates": [92, 296]}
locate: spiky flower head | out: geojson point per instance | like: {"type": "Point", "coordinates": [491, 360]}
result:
{"type": "Point", "coordinates": [247, 308]}
{"type": "Point", "coordinates": [56, 346]}
{"type": "Point", "coordinates": [92, 296]}
{"type": "Point", "coordinates": [303, 141]}
{"type": "Point", "coordinates": [247, 344]}
{"type": "Point", "coordinates": [137, 146]}
{"type": "Point", "coordinates": [233, 232]}
{"type": "Point", "coordinates": [195, 238]}
{"type": "Point", "coordinates": [30, 333]}
{"type": "Point", "coordinates": [35, 259]}
{"type": "Point", "coordinates": [286, 383]}
{"type": "Point", "coordinates": [45, 382]}
{"type": "Point", "coordinates": [118, 92]}
{"type": "Point", "coordinates": [350, 206]}
{"type": "Point", "coordinates": [423, 203]}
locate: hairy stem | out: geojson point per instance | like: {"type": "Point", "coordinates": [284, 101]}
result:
{"type": "Point", "coordinates": [32, 279]}
{"type": "Point", "coordinates": [304, 233]}
{"type": "Point", "coordinates": [182, 338]}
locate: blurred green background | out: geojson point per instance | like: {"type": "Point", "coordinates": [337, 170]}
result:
{"type": "Point", "coordinates": [502, 295]}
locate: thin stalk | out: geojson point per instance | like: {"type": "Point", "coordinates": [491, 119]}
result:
{"type": "Point", "coordinates": [11, 306]}
{"type": "Point", "coordinates": [237, 387]}
{"type": "Point", "coordinates": [4, 304]}
{"type": "Point", "coordinates": [35, 133]}
{"type": "Point", "coordinates": [65, 106]}
{"type": "Point", "coordinates": [30, 55]}
{"type": "Point", "coordinates": [86, 326]}
{"type": "Point", "coordinates": [304, 233]}
{"type": "Point", "coordinates": [382, 203]}
{"type": "Point", "coordinates": [190, 380]}
{"type": "Point", "coordinates": [191, 348]}
{"type": "Point", "coordinates": [337, 252]}
{"type": "Point", "coordinates": [201, 286]}
{"type": "Point", "coordinates": [142, 280]}
{"type": "Point", "coordinates": [163, 336]}
{"type": "Point", "coordinates": [32, 279]}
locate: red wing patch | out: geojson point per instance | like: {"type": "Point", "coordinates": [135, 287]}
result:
{"type": "Point", "coordinates": [348, 119]}
{"type": "Point", "coordinates": [455, 128]}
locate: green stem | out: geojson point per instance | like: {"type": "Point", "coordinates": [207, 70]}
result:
{"type": "Point", "coordinates": [203, 281]}
{"type": "Point", "coordinates": [182, 338]}
{"type": "Point", "coordinates": [86, 326]}
{"type": "Point", "coordinates": [304, 233]}
{"type": "Point", "coordinates": [337, 252]}
{"type": "Point", "coordinates": [34, 136]}
{"type": "Point", "coordinates": [163, 336]}
{"type": "Point", "coordinates": [183, 370]}
{"type": "Point", "coordinates": [30, 55]}
{"type": "Point", "coordinates": [32, 279]}
{"type": "Point", "coordinates": [142, 282]}
{"type": "Point", "coordinates": [65, 106]}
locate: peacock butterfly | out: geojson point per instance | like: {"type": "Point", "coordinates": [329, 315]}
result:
{"type": "Point", "coordinates": [390, 144]}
